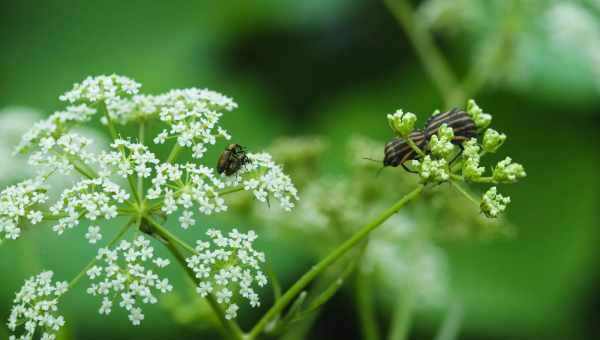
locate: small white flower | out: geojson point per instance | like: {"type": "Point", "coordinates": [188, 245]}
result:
{"type": "Point", "coordinates": [136, 316]}
{"type": "Point", "coordinates": [161, 138]}
{"type": "Point", "coordinates": [35, 216]}
{"type": "Point", "coordinates": [161, 263]}
{"type": "Point", "coordinates": [93, 235]}
{"type": "Point", "coordinates": [94, 272]}
{"type": "Point", "coordinates": [106, 306]}
{"type": "Point", "coordinates": [231, 311]}
{"type": "Point", "coordinates": [187, 219]}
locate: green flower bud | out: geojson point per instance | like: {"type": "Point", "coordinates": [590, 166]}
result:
{"type": "Point", "coordinates": [493, 140]}
{"type": "Point", "coordinates": [471, 169]}
{"type": "Point", "coordinates": [402, 123]}
{"type": "Point", "coordinates": [492, 203]}
{"type": "Point", "coordinates": [506, 171]}
{"type": "Point", "coordinates": [482, 120]}
{"type": "Point", "coordinates": [435, 170]}
{"type": "Point", "coordinates": [441, 144]}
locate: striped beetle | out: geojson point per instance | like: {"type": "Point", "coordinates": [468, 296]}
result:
{"type": "Point", "coordinates": [397, 151]}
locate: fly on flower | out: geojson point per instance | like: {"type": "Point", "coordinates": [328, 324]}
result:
{"type": "Point", "coordinates": [232, 159]}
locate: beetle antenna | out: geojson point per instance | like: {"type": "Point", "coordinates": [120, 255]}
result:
{"type": "Point", "coordinates": [373, 160]}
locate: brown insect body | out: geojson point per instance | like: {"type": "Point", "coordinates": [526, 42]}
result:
{"type": "Point", "coordinates": [232, 159]}
{"type": "Point", "coordinates": [397, 151]}
{"type": "Point", "coordinates": [461, 123]}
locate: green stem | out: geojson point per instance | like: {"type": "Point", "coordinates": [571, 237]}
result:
{"type": "Point", "coordinates": [414, 146]}
{"type": "Point", "coordinates": [82, 170]}
{"type": "Point", "coordinates": [174, 153]}
{"type": "Point", "coordinates": [430, 55]}
{"type": "Point", "coordinates": [330, 291]}
{"type": "Point", "coordinates": [230, 190]}
{"type": "Point", "coordinates": [402, 318]}
{"type": "Point", "coordinates": [231, 327]}
{"type": "Point", "coordinates": [451, 326]}
{"type": "Point", "coordinates": [168, 236]}
{"type": "Point", "coordinates": [317, 269]}
{"type": "Point", "coordinates": [464, 192]}
{"type": "Point", "coordinates": [366, 307]}
{"type": "Point", "coordinates": [109, 123]}
{"type": "Point", "coordinates": [140, 179]}
{"type": "Point", "coordinates": [93, 261]}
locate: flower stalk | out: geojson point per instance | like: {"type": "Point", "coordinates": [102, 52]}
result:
{"type": "Point", "coordinates": [317, 269]}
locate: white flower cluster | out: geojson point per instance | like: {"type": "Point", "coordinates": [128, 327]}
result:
{"type": "Point", "coordinates": [441, 144]}
{"type": "Point", "coordinates": [492, 203]}
{"type": "Point", "coordinates": [138, 159]}
{"type": "Point", "coordinates": [123, 275]}
{"type": "Point", "coordinates": [429, 169]}
{"type": "Point", "coordinates": [140, 107]}
{"type": "Point", "coordinates": [101, 88]}
{"type": "Point", "coordinates": [192, 115]}
{"type": "Point", "coordinates": [492, 140]}
{"type": "Point", "coordinates": [17, 202]}
{"type": "Point", "coordinates": [265, 178]}
{"type": "Point", "coordinates": [471, 158]}
{"type": "Point", "coordinates": [89, 198]}
{"type": "Point", "coordinates": [402, 123]}
{"type": "Point", "coordinates": [482, 120]}
{"type": "Point", "coordinates": [507, 171]}
{"type": "Point", "coordinates": [36, 308]}
{"type": "Point", "coordinates": [60, 153]}
{"type": "Point", "coordinates": [228, 267]}
{"type": "Point", "coordinates": [46, 132]}
{"type": "Point", "coordinates": [196, 185]}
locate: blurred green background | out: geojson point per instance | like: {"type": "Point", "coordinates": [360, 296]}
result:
{"type": "Point", "coordinates": [335, 68]}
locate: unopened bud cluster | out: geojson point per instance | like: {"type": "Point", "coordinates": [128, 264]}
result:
{"type": "Point", "coordinates": [448, 156]}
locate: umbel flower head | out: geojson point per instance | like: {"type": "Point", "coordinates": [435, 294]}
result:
{"type": "Point", "coordinates": [124, 277]}
{"type": "Point", "coordinates": [35, 308]}
{"type": "Point", "coordinates": [113, 182]}
{"type": "Point", "coordinates": [229, 267]}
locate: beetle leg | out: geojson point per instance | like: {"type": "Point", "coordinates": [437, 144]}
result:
{"type": "Point", "coordinates": [458, 154]}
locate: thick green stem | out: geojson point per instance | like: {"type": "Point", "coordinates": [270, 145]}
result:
{"type": "Point", "coordinates": [317, 269]}
{"type": "Point", "coordinates": [432, 58]}
{"type": "Point", "coordinates": [168, 236]}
